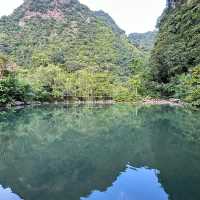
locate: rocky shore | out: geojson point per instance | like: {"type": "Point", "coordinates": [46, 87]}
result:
{"type": "Point", "coordinates": [37, 103]}
{"type": "Point", "coordinates": [19, 104]}
{"type": "Point", "coordinates": [173, 102]}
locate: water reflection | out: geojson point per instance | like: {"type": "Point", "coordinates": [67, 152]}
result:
{"type": "Point", "coordinates": [134, 183]}
{"type": "Point", "coordinates": [7, 194]}
{"type": "Point", "coordinates": [65, 153]}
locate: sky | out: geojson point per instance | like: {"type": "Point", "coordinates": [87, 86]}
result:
{"type": "Point", "coordinates": [131, 15]}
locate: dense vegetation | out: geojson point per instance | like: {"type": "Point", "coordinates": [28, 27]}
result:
{"type": "Point", "coordinates": [144, 41]}
{"type": "Point", "coordinates": [107, 19]}
{"type": "Point", "coordinates": [176, 56]}
{"type": "Point", "coordinates": [61, 49]}
{"type": "Point", "coordinates": [57, 50]}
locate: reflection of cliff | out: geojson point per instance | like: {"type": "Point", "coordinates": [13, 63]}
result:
{"type": "Point", "coordinates": [180, 172]}
{"type": "Point", "coordinates": [65, 153]}
{"type": "Point", "coordinates": [134, 183]}
{"type": "Point", "coordinates": [49, 158]}
{"type": "Point", "coordinates": [177, 160]}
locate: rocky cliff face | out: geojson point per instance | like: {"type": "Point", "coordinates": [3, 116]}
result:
{"type": "Point", "coordinates": [173, 3]}
{"type": "Point", "coordinates": [176, 3]}
{"type": "Point", "coordinates": [49, 9]}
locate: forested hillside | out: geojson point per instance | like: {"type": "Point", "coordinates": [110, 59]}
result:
{"type": "Point", "coordinates": [144, 41]}
{"type": "Point", "coordinates": [175, 59]}
{"type": "Point", "coordinates": [61, 48]}
{"type": "Point", "coordinates": [107, 19]}
{"type": "Point", "coordinates": [64, 33]}
{"type": "Point", "coordinates": [55, 50]}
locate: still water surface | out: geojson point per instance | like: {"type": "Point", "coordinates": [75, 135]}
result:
{"type": "Point", "coordinates": [118, 152]}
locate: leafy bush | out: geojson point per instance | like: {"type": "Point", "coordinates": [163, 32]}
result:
{"type": "Point", "coordinates": [177, 47]}
{"type": "Point", "coordinates": [72, 53]}
{"type": "Point", "coordinates": [3, 62]}
{"type": "Point", "coordinates": [54, 83]}
{"type": "Point", "coordinates": [47, 83]}
{"type": "Point", "coordinates": [189, 87]}
{"type": "Point", "coordinates": [12, 90]}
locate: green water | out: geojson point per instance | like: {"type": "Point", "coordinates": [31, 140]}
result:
{"type": "Point", "coordinates": [118, 152]}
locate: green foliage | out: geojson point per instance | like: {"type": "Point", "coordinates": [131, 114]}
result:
{"type": "Point", "coordinates": [144, 41]}
{"type": "Point", "coordinates": [178, 44]}
{"type": "Point", "coordinates": [74, 40]}
{"type": "Point", "coordinates": [47, 83]}
{"type": "Point", "coordinates": [89, 84]}
{"type": "Point", "coordinates": [65, 50]}
{"type": "Point", "coordinates": [189, 87]}
{"type": "Point", "coordinates": [177, 52]}
{"type": "Point", "coordinates": [107, 19]}
{"type": "Point", "coordinates": [3, 62]}
{"type": "Point", "coordinates": [40, 5]}
{"type": "Point", "coordinates": [12, 89]}
{"type": "Point", "coordinates": [54, 83]}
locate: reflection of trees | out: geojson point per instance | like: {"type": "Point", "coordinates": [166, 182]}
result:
{"type": "Point", "coordinates": [176, 158]}
{"type": "Point", "coordinates": [53, 152]}
{"type": "Point", "coordinates": [64, 150]}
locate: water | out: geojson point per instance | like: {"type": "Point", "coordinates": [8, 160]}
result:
{"type": "Point", "coordinates": [118, 152]}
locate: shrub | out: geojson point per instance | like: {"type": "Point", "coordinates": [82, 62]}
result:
{"type": "Point", "coordinates": [11, 89]}
{"type": "Point", "coordinates": [189, 87]}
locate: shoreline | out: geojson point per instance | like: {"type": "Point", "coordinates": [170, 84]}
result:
{"type": "Point", "coordinates": [37, 103]}
{"type": "Point", "coordinates": [171, 102]}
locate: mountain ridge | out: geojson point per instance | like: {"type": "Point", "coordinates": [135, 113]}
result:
{"type": "Point", "coordinates": [108, 20]}
{"type": "Point", "coordinates": [144, 41]}
{"type": "Point", "coordinates": [61, 50]}
{"type": "Point", "coordinates": [39, 26]}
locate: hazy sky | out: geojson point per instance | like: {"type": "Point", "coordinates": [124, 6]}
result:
{"type": "Point", "coordinates": [130, 15]}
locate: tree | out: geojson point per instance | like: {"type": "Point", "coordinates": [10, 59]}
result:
{"type": "Point", "coordinates": [3, 63]}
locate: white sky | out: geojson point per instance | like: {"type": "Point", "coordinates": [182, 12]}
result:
{"type": "Point", "coordinates": [130, 15]}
